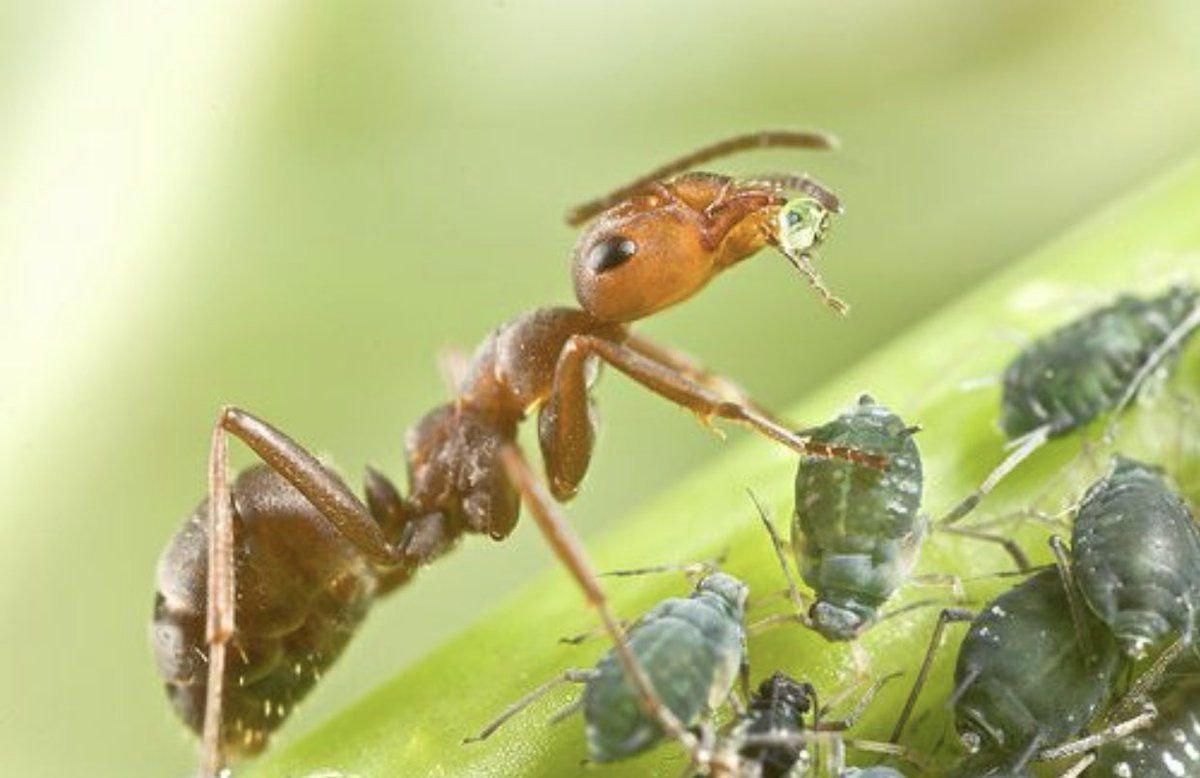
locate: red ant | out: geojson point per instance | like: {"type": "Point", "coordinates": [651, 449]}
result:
{"type": "Point", "coordinates": [309, 557]}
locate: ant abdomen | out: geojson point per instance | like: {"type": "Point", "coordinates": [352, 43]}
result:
{"type": "Point", "coordinates": [302, 591]}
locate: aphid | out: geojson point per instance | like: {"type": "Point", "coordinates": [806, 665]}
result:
{"type": "Point", "coordinates": [1028, 677]}
{"type": "Point", "coordinates": [856, 531]}
{"type": "Point", "coordinates": [312, 557]}
{"type": "Point", "coordinates": [1093, 365]}
{"type": "Point", "coordinates": [691, 650]}
{"type": "Point", "coordinates": [1135, 552]}
{"type": "Point", "coordinates": [772, 740]}
{"type": "Point", "coordinates": [1168, 748]}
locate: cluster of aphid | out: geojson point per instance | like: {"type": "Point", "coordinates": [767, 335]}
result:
{"type": "Point", "coordinates": [268, 579]}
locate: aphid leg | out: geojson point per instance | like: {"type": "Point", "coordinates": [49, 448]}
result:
{"type": "Point", "coordinates": [1062, 561]}
{"type": "Point", "coordinates": [567, 676]}
{"type": "Point", "coordinates": [1076, 770]}
{"type": "Point", "coordinates": [860, 707]}
{"type": "Point", "coordinates": [793, 591]}
{"type": "Point", "coordinates": [952, 582]}
{"type": "Point", "coordinates": [1023, 448]}
{"type": "Point", "coordinates": [671, 385]}
{"type": "Point", "coordinates": [1149, 680]}
{"type": "Point", "coordinates": [757, 140]}
{"type": "Point", "coordinates": [947, 616]}
{"type": "Point", "coordinates": [567, 547]}
{"type": "Point", "coordinates": [595, 632]}
{"type": "Point", "coordinates": [322, 489]}
{"type": "Point", "coordinates": [1010, 546]}
{"type": "Point", "coordinates": [1108, 734]}
{"type": "Point", "coordinates": [1169, 344]}
{"type": "Point", "coordinates": [221, 592]}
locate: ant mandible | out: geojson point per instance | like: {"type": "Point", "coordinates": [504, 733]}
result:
{"type": "Point", "coordinates": [309, 557]}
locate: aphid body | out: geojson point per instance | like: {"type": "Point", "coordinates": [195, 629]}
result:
{"type": "Point", "coordinates": [690, 648]}
{"type": "Point", "coordinates": [1025, 678]}
{"type": "Point", "coordinates": [1170, 746]}
{"type": "Point", "coordinates": [774, 742]}
{"type": "Point", "coordinates": [856, 531]}
{"type": "Point", "coordinates": [1083, 369]}
{"type": "Point", "coordinates": [1136, 556]}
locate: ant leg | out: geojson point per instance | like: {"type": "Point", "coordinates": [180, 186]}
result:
{"type": "Point", "coordinates": [220, 623]}
{"type": "Point", "coordinates": [567, 547]}
{"type": "Point", "coordinates": [671, 385]}
{"type": "Point", "coordinates": [320, 487]}
{"type": "Point", "coordinates": [946, 617]}
{"type": "Point", "coordinates": [687, 366]}
{"type": "Point", "coordinates": [1024, 447]}
{"type": "Point", "coordinates": [573, 675]}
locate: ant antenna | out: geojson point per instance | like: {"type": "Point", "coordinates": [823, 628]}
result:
{"type": "Point", "coordinates": [766, 139]}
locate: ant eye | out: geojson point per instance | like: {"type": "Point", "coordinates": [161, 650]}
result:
{"type": "Point", "coordinates": [610, 253]}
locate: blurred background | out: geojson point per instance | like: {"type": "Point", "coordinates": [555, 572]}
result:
{"type": "Point", "coordinates": [294, 206]}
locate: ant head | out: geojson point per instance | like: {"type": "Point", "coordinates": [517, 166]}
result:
{"type": "Point", "coordinates": [661, 239]}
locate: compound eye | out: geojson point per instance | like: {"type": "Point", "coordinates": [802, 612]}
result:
{"type": "Point", "coordinates": [792, 218]}
{"type": "Point", "coordinates": [609, 253]}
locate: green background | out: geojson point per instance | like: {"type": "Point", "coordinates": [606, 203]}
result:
{"type": "Point", "coordinates": [294, 207]}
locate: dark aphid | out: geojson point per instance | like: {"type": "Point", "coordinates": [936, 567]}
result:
{"type": "Point", "coordinates": [856, 531]}
{"type": "Point", "coordinates": [1091, 366]}
{"type": "Point", "coordinates": [689, 649]}
{"type": "Point", "coordinates": [1136, 557]}
{"type": "Point", "coordinates": [1026, 679]}
{"type": "Point", "coordinates": [1170, 747]}
{"type": "Point", "coordinates": [773, 740]}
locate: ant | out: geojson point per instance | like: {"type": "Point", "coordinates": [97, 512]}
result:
{"type": "Point", "coordinates": [265, 583]}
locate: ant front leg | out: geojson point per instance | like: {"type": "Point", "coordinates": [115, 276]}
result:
{"type": "Point", "coordinates": [673, 385]}
{"type": "Point", "coordinates": [323, 490]}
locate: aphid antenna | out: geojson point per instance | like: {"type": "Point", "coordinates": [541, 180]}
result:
{"type": "Point", "coordinates": [855, 713]}
{"type": "Point", "coordinates": [766, 139]}
{"type": "Point", "coordinates": [573, 675]}
{"type": "Point", "coordinates": [692, 570]}
{"type": "Point", "coordinates": [1062, 560]}
{"type": "Point", "coordinates": [1152, 363]}
{"type": "Point", "coordinates": [1010, 546]}
{"type": "Point", "coordinates": [1022, 448]}
{"type": "Point", "coordinates": [947, 616]}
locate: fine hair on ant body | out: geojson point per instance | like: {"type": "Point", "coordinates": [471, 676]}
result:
{"type": "Point", "coordinates": [268, 578]}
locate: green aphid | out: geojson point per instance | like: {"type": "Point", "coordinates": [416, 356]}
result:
{"type": "Point", "coordinates": [1091, 366]}
{"type": "Point", "coordinates": [856, 531]}
{"type": "Point", "coordinates": [691, 648]}
{"type": "Point", "coordinates": [1026, 678]}
{"type": "Point", "coordinates": [1136, 557]}
{"type": "Point", "coordinates": [1085, 368]}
